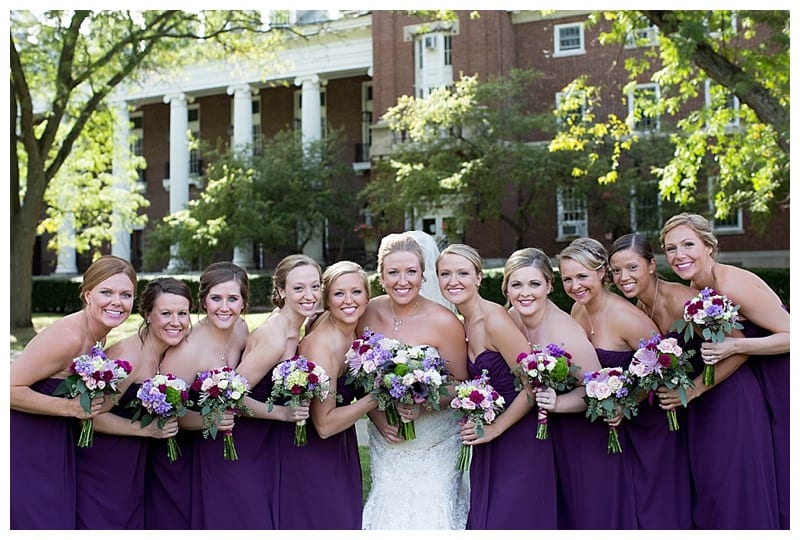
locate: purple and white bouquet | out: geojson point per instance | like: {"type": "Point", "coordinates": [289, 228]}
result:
{"type": "Point", "coordinates": [160, 398]}
{"type": "Point", "coordinates": [92, 375]}
{"type": "Point", "coordinates": [608, 390]}
{"type": "Point", "coordinates": [299, 380]}
{"type": "Point", "coordinates": [220, 390]}
{"type": "Point", "coordinates": [415, 375]}
{"type": "Point", "coordinates": [660, 361]}
{"type": "Point", "coordinates": [714, 315]}
{"type": "Point", "coordinates": [477, 401]}
{"type": "Point", "coordinates": [365, 356]}
{"type": "Point", "coordinates": [548, 367]}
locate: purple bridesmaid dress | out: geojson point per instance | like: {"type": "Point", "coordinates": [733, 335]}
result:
{"type": "Point", "coordinates": [110, 477]}
{"type": "Point", "coordinates": [318, 485]}
{"type": "Point", "coordinates": [657, 459]}
{"type": "Point", "coordinates": [42, 468]}
{"type": "Point", "coordinates": [513, 469]}
{"type": "Point", "coordinates": [772, 372]}
{"type": "Point", "coordinates": [168, 485]}
{"type": "Point", "coordinates": [236, 494]}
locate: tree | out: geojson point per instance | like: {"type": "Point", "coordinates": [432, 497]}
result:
{"type": "Point", "coordinates": [277, 197]}
{"type": "Point", "coordinates": [744, 54]}
{"type": "Point", "coordinates": [64, 64]}
{"type": "Point", "coordinates": [468, 148]}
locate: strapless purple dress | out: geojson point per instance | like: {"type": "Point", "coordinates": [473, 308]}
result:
{"type": "Point", "coordinates": [236, 494]}
{"type": "Point", "coordinates": [110, 477]}
{"type": "Point", "coordinates": [42, 468]}
{"type": "Point", "coordinates": [658, 461]}
{"type": "Point", "coordinates": [514, 467]}
{"type": "Point", "coordinates": [731, 457]}
{"type": "Point", "coordinates": [318, 485]}
{"type": "Point", "coordinates": [772, 372]}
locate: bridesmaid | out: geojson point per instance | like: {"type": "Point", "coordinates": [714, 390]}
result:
{"type": "Point", "coordinates": [111, 473]}
{"type": "Point", "coordinates": [199, 493]}
{"type": "Point", "coordinates": [323, 490]}
{"type": "Point", "coordinates": [295, 295]}
{"type": "Point", "coordinates": [614, 327]}
{"type": "Point", "coordinates": [690, 247]}
{"type": "Point", "coordinates": [42, 446]}
{"type": "Point", "coordinates": [509, 465]}
{"type": "Point", "coordinates": [583, 466]}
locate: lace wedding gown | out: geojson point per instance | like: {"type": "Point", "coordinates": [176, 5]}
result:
{"type": "Point", "coordinates": [415, 484]}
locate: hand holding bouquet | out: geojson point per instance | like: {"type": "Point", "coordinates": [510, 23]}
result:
{"type": "Point", "coordinates": [660, 361]}
{"type": "Point", "coordinates": [299, 380]}
{"type": "Point", "coordinates": [415, 375]}
{"type": "Point", "coordinates": [607, 390]}
{"type": "Point", "coordinates": [160, 398]}
{"type": "Point", "coordinates": [92, 375]}
{"type": "Point", "coordinates": [549, 367]}
{"type": "Point", "coordinates": [220, 390]}
{"type": "Point", "coordinates": [479, 403]}
{"type": "Point", "coordinates": [714, 315]}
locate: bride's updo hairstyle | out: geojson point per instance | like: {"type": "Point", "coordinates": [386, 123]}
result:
{"type": "Point", "coordinates": [398, 243]}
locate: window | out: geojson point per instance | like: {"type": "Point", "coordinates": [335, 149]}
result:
{"type": "Point", "coordinates": [258, 137]}
{"type": "Point", "coordinates": [732, 223]}
{"type": "Point", "coordinates": [448, 50]}
{"type": "Point", "coordinates": [298, 112]}
{"type": "Point", "coordinates": [137, 140]}
{"type": "Point", "coordinates": [646, 36]}
{"type": "Point", "coordinates": [643, 107]}
{"type": "Point", "coordinates": [570, 108]}
{"type": "Point", "coordinates": [433, 55]}
{"type": "Point", "coordinates": [571, 211]}
{"type": "Point", "coordinates": [195, 165]}
{"type": "Point", "coordinates": [568, 39]}
{"type": "Point", "coordinates": [723, 101]}
{"type": "Point", "coordinates": [645, 207]}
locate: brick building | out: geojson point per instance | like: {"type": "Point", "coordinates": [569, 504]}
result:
{"type": "Point", "coordinates": [346, 77]}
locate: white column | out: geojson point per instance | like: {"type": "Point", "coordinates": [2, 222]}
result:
{"type": "Point", "coordinates": [242, 142]}
{"type": "Point", "coordinates": [121, 244]}
{"type": "Point", "coordinates": [312, 131]}
{"type": "Point", "coordinates": [178, 163]}
{"type": "Point", "coordinates": [67, 261]}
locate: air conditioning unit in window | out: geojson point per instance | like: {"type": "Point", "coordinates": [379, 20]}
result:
{"type": "Point", "coordinates": [430, 42]}
{"type": "Point", "coordinates": [571, 229]}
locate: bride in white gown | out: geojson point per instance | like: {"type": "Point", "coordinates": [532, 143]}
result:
{"type": "Point", "coordinates": [415, 484]}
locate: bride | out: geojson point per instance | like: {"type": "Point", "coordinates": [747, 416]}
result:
{"type": "Point", "coordinates": [415, 484]}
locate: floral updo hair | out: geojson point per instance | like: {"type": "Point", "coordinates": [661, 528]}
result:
{"type": "Point", "coordinates": [222, 272]}
{"type": "Point", "coordinates": [698, 224]}
{"type": "Point", "coordinates": [102, 269]}
{"type": "Point", "coordinates": [634, 242]}
{"type": "Point", "coordinates": [524, 258]}
{"type": "Point", "coordinates": [589, 253]}
{"type": "Point", "coordinates": [154, 289]}
{"type": "Point", "coordinates": [399, 243]}
{"type": "Point", "coordinates": [286, 265]}
{"type": "Point", "coordinates": [337, 270]}
{"type": "Point", "coordinates": [468, 252]}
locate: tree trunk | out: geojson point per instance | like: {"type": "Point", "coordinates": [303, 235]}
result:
{"type": "Point", "coordinates": [22, 241]}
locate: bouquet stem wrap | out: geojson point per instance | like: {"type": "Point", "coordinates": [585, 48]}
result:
{"type": "Point", "coordinates": [541, 430]}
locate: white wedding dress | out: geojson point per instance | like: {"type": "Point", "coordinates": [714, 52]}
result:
{"type": "Point", "coordinates": [415, 484]}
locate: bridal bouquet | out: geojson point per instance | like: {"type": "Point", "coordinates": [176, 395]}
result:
{"type": "Point", "coordinates": [220, 390]}
{"type": "Point", "coordinates": [160, 398]}
{"type": "Point", "coordinates": [299, 380]}
{"type": "Point", "coordinates": [548, 367]}
{"type": "Point", "coordinates": [714, 315]}
{"type": "Point", "coordinates": [660, 361]}
{"type": "Point", "coordinates": [415, 375]}
{"type": "Point", "coordinates": [478, 402]}
{"type": "Point", "coordinates": [92, 375]}
{"type": "Point", "coordinates": [607, 390]}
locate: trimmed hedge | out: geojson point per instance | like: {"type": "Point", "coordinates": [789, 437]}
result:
{"type": "Point", "coordinates": [61, 295]}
